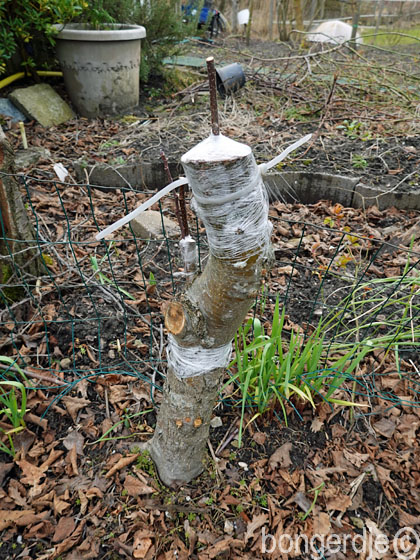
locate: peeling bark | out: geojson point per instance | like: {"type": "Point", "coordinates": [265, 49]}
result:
{"type": "Point", "coordinates": [17, 261]}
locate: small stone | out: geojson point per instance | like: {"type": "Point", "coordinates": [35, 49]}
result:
{"type": "Point", "coordinates": [30, 156]}
{"type": "Point", "coordinates": [7, 109]}
{"type": "Point", "coordinates": [65, 363]}
{"type": "Point", "coordinates": [216, 422]}
{"type": "Point", "coordinates": [148, 225]}
{"type": "Point", "coordinates": [357, 522]}
{"type": "Point", "coordinates": [229, 527]}
{"type": "Point", "coordinates": [43, 104]}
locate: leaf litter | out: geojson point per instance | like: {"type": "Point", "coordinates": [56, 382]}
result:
{"type": "Point", "coordinates": [65, 496]}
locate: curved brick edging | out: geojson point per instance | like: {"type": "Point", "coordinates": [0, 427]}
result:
{"type": "Point", "coordinates": [308, 188]}
{"type": "Point", "coordinates": [297, 186]}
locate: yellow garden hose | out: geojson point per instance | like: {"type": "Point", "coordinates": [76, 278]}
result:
{"type": "Point", "coordinates": [19, 75]}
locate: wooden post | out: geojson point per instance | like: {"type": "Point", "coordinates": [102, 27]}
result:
{"type": "Point", "coordinates": [17, 259]}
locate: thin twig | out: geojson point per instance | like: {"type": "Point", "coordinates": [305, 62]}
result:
{"type": "Point", "coordinates": [211, 72]}
{"type": "Point", "coordinates": [176, 195]}
{"type": "Point", "coordinates": [40, 376]}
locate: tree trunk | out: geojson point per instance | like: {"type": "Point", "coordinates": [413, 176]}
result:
{"type": "Point", "coordinates": [229, 198]}
{"type": "Point", "coordinates": [249, 26]}
{"type": "Point", "coordinates": [19, 262]}
{"type": "Point", "coordinates": [355, 23]}
{"type": "Point", "coordinates": [271, 20]}
{"type": "Point", "coordinates": [234, 16]}
{"type": "Point", "coordinates": [297, 6]}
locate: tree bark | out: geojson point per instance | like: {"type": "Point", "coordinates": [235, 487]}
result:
{"type": "Point", "coordinates": [234, 16]}
{"type": "Point", "coordinates": [19, 262]}
{"type": "Point", "coordinates": [230, 199]}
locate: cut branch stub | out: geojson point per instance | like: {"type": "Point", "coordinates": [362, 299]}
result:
{"type": "Point", "coordinates": [175, 318]}
{"type": "Point", "coordinates": [230, 199]}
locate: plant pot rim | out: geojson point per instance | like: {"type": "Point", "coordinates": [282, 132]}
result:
{"type": "Point", "coordinates": [82, 32]}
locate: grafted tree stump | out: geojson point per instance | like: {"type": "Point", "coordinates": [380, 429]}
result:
{"type": "Point", "coordinates": [19, 257]}
{"type": "Point", "coordinates": [230, 199]}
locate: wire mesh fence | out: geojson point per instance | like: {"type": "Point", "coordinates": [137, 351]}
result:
{"type": "Point", "coordinates": [95, 307]}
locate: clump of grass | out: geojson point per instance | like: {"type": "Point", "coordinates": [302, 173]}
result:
{"type": "Point", "coordinates": [281, 366]}
{"type": "Point", "coordinates": [10, 409]}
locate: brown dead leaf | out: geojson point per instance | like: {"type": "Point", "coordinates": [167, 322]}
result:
{"type": "Point", "coordinates": [31, 474]}
{"type": "Point", "coordinates": [64, 529]}
{"type": "Point", "coordinates": [5, 468]}
{"type": "Point", "coordinates": [259, 437]}
{"type": "Point", "coordinates": [122, 463]}
{"type": "Point", "coordinates": [142, 543]}
{"type": "Point", "coordinates": [281, 457]}
{"type": "Point", "coordinates": [8, 518]}
{"type": "Point", "coordinates": [336, 500]}
{"type": "Point", "coordinates": [70, 541]}
{"type": "Point", "coordinates": [74, 438]}
{"type": "Point", "coordinates": [17, 493]}
{"type": "Point", "coordinates": [322, 524]}
{"type": "Point", "coordinates": [135, 487]}
{"type": "Point", "coordinates": [60, 505]}
{"type": "Point", "coordinates": [408, 520]}
{"type": "Point", "coordinates": [355, 458]}
{"type": "Point", "coordinates": [385, 427]}
{"type": "Point", "coordinates": [72, 460]}
{"type": "Point", "coordinates": [74, 404]}
{"type": "Point", "coordinates": [257, 522]}
{"type": "Point", "coordinates": [316, 425]}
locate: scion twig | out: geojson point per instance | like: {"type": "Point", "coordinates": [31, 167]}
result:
{"type": "Point", "coordinates": [211, 72]}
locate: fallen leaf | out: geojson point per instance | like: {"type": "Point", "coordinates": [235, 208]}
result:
{"type": "Point", "coordinates": [5, 468]}
{"type": "Point", "coordinates": [322, 524]}
{"type": "Point", "coordinates": [281, 457]}
{"type": "Point", "coordinates": [355, 458]}
{"type": "Point", "coordinates": [142, 543]}
{"type": "Point", "coordinates": [73, 405]}
{"type": "Point", "coordinates": [257, 522]}
{"type": "Point", "coordinates": [259, 437]}
{"type": "Point", "coordinates": [60, 505]}
{"type": "Point", "coordinates": [64, 529]}
{"type": "Point", "coordinates": [135, 487]}
{"type": "Point", "coordinates": [8, 518]}
{"type": "Point", "coordinates": [16, 495]}
{"type": "Point", "coordinates": [72, 460]}
{"type": "Point", "coordinates": [316, 425]}
{"type": "Point", "coordinates": [74, 438]}
{"type": "Point", "coordinates": [336, 500]}
{"type": "Point", "coordinates": [123, 462]}
{"type": "Point", "coordinates": [31, 474]}
{"type": "Point", "coordinates": [408, 520]}
{"type": "Point", "coordinates": [385, 427]}
{"type": "Point", "coordinates": [70, 541]}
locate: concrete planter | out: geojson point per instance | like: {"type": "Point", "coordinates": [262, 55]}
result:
{"type": "Point", "coordinates": [100, 67]}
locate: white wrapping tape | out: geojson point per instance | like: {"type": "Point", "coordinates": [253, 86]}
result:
{"type": "Point", "coordinates": [188, 248]}
{"type": "Point", "coordinates": [110, 229]}
{"type": "Point", "coordinates": [192, 361]}
{"type": "Point", "coordinates": [229, 197]}
{"type": "Point", "coordinates": [213, 149]}
{"type": "Point", "coordinates": [264, 167]}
